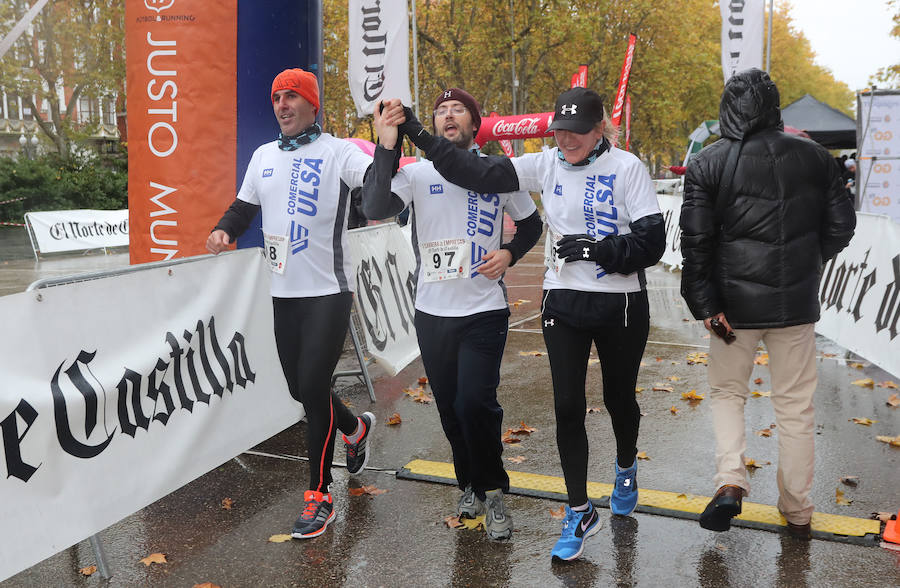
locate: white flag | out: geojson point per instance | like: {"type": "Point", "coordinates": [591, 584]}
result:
{"type": "Point", "coordinates": [378, 67]}
{"type": "Point", "coordinates": [742, 35]}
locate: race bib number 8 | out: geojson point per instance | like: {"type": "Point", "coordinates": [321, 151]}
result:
{"type": "Point", "coordinates": [276, 252]}
{"type": "Point", "coordinates": [447, 259]}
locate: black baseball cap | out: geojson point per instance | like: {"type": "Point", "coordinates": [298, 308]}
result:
{"type": "Point", "coordinates": [577, 110]}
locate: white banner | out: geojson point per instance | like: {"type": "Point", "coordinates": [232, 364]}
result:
{"type": "Point", "coordinates": [378, 52]}
{"type": "Point", "coordinates": [116, 392]}
{"type": "Point", "coordinates": [742, 35]}
{"type": "Point", "coordinates": [386, 292]}
{"type": "Point", "coordinates": [859, 292]}
{"type": "Point", "coordinates": [881, 179]}
{"type": "Point", "coordinates": [76, 230]}
{"type": "Point", "coordinates": [879, 124]}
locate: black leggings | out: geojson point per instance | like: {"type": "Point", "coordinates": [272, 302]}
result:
{"type": "Point", "coordinates": [462, 357]}
{"type": "Point", "coordinates": [620, 349]}
{"type": "Point", "coordinates": [309, 334]}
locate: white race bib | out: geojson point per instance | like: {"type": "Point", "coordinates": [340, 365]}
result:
{"type": "Point", "coordinates": [447, 259]}
{"type": "Point", "coordinates": [551, 259]}
{"type": "Point", "coordinates": [276, 251]}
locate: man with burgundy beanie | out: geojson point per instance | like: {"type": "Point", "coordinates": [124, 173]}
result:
{"type": "Point", "coordinates": [301, 183]}
{"type": "Point", "coordinates": [462, 314]}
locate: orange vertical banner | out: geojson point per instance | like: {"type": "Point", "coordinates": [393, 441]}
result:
{"type": "Point", "coordinates": [182, 120]}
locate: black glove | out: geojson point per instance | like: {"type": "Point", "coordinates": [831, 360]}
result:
{"type": "Point", "coordinates": [582, 248]}
{"type": "Point", "coordinates": [413, 129]}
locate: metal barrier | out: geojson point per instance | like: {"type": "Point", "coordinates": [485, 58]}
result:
{"type": "Point", "coordinates": [359, 345]}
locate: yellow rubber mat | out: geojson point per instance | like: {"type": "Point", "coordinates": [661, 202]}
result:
{"type": "Point", "coordinates": [757, 516]}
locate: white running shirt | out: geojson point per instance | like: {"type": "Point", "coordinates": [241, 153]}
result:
{"type": "Point", "coordinates": [304, 195]}
{"type": "Point", "coordinates": [598, 199]}
{"type": "Point", "coordinates": [442, 211]}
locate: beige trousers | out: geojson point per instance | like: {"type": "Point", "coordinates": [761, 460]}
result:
{"type": "Point", "coordinates": [792, 363]}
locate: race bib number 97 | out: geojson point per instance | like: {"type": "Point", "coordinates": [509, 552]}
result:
{"type": "Point", "coordinates": [447, 259]}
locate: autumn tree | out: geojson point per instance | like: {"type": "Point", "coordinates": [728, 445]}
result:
{"type": "Point", "coordinates": [890, 75]}
{"type": "Point", "coordinates": [73, 49]}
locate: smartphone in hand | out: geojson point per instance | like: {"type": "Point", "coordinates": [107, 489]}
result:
{"type": "Point", "coordinates": [722, 331]}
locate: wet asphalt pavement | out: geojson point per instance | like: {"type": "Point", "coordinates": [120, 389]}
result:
{"type": "Point", "coordinates": [399, 538]}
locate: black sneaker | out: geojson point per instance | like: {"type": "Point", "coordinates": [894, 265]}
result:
{"type": "Point", "coordinates": [315, 517]}
{"type": "Point", "coordinates": [358, 453]}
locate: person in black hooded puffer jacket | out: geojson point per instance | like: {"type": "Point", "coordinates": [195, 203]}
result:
{"type": "Point", "coordinates": [753, 256]}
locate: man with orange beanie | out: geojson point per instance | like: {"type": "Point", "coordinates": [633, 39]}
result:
{"type": "Point", "coordinates": [301, 183]}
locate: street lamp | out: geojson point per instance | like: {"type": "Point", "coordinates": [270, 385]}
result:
{"type": "Point", "coordinates": [23, 142]}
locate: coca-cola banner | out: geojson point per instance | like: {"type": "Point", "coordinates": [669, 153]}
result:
{"type": "Point", "coordinates": [860, 288]}
{"type": "Point", "coordinates": [742, 35]}
{"type": "Point", "coordinates": [118, 391]}
{"type": "Point", "coordinates": [386, 292]}
{"type": "Point", "coordinates": [520, 126]}
{"type": "Point", "coordinates": [77, 230]}
{"type": "Point", "coordinates": [378, 52]}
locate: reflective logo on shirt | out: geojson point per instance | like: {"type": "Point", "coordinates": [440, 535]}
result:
{"type": "Point", "coordinates": [299, 238]}
{"type": "Point", "coordinates": [558, 190]}
{"type": "Point", "coordinates": [267, 173]}
{"type": "Point", "coordinates": [437, 188]}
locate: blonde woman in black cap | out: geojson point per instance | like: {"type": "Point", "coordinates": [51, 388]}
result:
{"type": "Point", "coordinates": [604, 227]}
{"type": "Point", "coordinates": [462, 314]}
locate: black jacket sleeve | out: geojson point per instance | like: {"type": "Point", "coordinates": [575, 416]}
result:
{"type": "Point", "coordinates": [642, 247]}
{"type": "Point", "coordinates": [699, 236]}
{"type": "Point", "coordinates": [528, 231]}
{"type": "Point", "coordinates": [460, 166]}
{"type": "Point", "coordinates": [839, 218]}
{"type": "Point", "coordinates": [378, 202]}
{"type": "Point", "coordinates": [237, 218]}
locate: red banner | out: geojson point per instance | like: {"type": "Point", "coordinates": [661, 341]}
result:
{"type": "Point", "coordinates": [579, 79]}
{"type": "Point", "coordinates": [182, 119]}
{"type": "Point", "coordinates": [623, 81]}
{"type": "Point", "coordinates": [506, 144]}
{"type": "Point", "coordinates": [520, 126]}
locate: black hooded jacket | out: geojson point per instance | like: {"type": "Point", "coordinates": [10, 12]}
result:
{"type": "Point", "coordinates": [759, 258]}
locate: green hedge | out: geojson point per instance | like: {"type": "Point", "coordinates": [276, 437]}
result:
{"type": "Point", "coordinates": [49, 183]}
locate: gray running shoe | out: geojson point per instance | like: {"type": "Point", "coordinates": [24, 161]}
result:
{"type": "Point", "coordinates": [497, 522]}
{"type": "Point", "coordinates": [470, 506]}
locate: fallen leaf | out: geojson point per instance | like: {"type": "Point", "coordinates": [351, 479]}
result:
{"type": "Point", "coordinates": [706, 336]}
{"type": "Point", "coordinates": [721, 547]}
{"type": "Point", "coordinates": [519, 302]}
{"type": "Point", "coordinates": [752, 465]}
{"type": "Point", "coordinates": [673, 378]}
{"type": "Point", "coordinates": [159, 558]}
{"type": "Point", "coordinates": [762, 359]}
{"type": "Point", "coordinates": [508, 437]}
{"type": "Point", "coordinates": [674, 363]}
{"type": "Point", "coordinates": [758, 381]}
{"type": "Point", "coordinates": [418, 395]}
{"type": "Point", "coordinates": [281, 538]}
{"type": "Point", "coordinates": [88, 570]}
{"type": "Point", "coordinates": [686, 320]}
{"type": "Point", "coordinates": [839, 497]}
{"type": "Point", "coordinates": [759, 393]}
{"type": "Point", "coordinates": [849, 480]}
{"type": "Point", "coordinates": [453, 522]}
{"type": "Point", "coordinates": [894, 401]}
{"type": "Point", "coordinates": [592, 410]}
{"type": "Point", "coordinates": [882, 516]}
{"type": "Point", "coordinates": [674, 410]}
{"type": "Point", "coordinates": [558, 513]}
{"type": "Point", "coordinates": [661, 388]}
{"type": "Point", "coordinates": [888, 384]}
{"type": "Point", "coordinates": [643, 455]}
{"type": "Point", "coordinates": [207, 585]}
{"type": "Point", "coordinates": [638, 390]}
{"type": "Point", "coordinates": [864, 383]}
{"type": "Point", "coordinates": [523, 429]}
{"type": "Point", "coordinates": [593, 361]}
{"type": "Point", "coordinates": [682, 495]}
{"type": "Point", "coordinates": [347, 403]}
{"type": "Point", "coordinates": [531, 353]}
{"type": "Point", "coordinates": [829, 355]}
{"type": "Point", "coordinates": [643, 364]}
{"type": "Point", "coordinates": [423, 380]}
{"type": "Point", "coordinates": [699, 357]}
{"type": "Point", "coordinates": [227, 503]}
{"type": "Point", "coordinates": [394, 420]}
{"type": "Point", "coordinates": [892, 441]}
{"type": "Point", "coordinates": [366, 491]}
{"type": "Point", "coordinates": [863, 421]}
{"type": "Point", "coordinates": [516, 459]}
{"type": "Point", "coordinates": [764, 432]}
{"type": "Point", "coordinates": [856, 364]}
{"type": "Point", "coordinates": [692, 396]}
{"type": "Point", "coordinates": [659, 359]}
